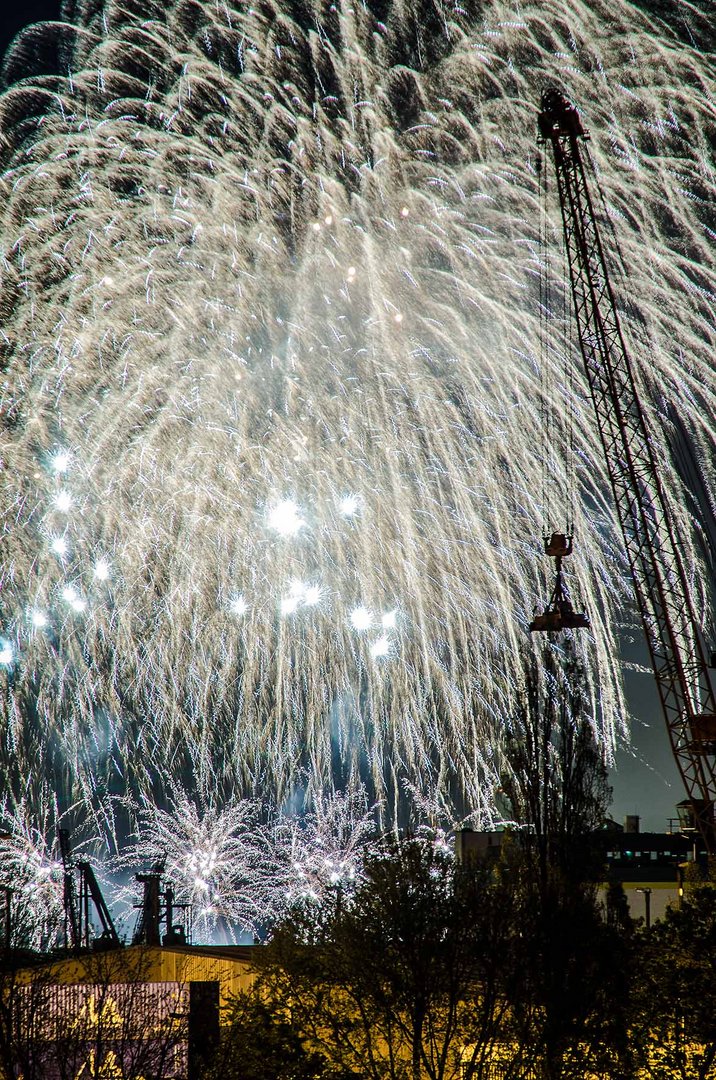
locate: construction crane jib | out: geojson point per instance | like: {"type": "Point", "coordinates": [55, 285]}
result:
{"type": "Point", "coordinates": [652, 546]}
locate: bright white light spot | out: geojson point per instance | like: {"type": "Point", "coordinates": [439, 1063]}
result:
{"type": "Point", "coordinates": [398, 317]}
{"type": "Point", "coordinates": [101, 570]}
{"type": "Point", "coordinates": [361, 618]}
{"type": "Point", "coordinates": [348, 505]}
{"type": "Point", "coordinates": [316, 226]}
{"type": "Point", "coordinates": [73, 598]}
{"type": "Point", "coordinates": [107, 280]}
{"type": "Point", "coordinates": [312, 595]}
{"type": "Point", "coordinates": [63, 501]}
{"type": "Point", "coordinates": [61, 461]}
{"type": "Point", "coordinates": [238, 605]}
{"type": "Point", "coordinates": [60, 546]}
{"type": "Point", "coordinates": [285, 518]}
{"type": "Point", "coordinates": [300, 593]}
{"type": "Point", "coordinates": [328, 219]}
{"type": "Point", "coordinates": [351, 273]}
{"type": "Point", "coordinates": [289, 604]}
{"type": "Point", "coordinates": [388, 620]}
{"type": "Point", "coordinates": [7, 654]}
{"type": "Point", "coordinates": [404, 211]}
{"type": "Point", "coordinates": [39, 619]}
{"type": "Point", "coordinates": [380, 647]}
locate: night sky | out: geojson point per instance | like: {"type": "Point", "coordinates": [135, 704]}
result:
{"type": "Point", "coordinates": [645, 780]}
{"type": "Point", "coordinates": [21, 14]}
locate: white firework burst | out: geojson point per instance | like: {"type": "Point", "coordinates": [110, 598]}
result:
{"type": "Point", "coordinates": [318, 853]}
{"type": "Point", "coordinates": [210, 858]}
{"type": "Point", "coordinates": [242, 867]}
{"type": "Point", "coordinates": [32, 872]}
{"type": "Point", "coordinates": [272, 479]}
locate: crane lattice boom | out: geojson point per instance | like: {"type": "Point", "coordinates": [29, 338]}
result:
{"type": "Point", "coordinates": [651, 542]}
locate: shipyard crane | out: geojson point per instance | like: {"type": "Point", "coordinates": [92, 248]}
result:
{"type": "Point", "coordinates": [77, 907]}
{"type": "Point", "coordinates": [652, 543]}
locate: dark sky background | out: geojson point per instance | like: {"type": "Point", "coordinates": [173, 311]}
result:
{"type": "Point", "coordinates": [21, 13]}
{"type": "Point", "coordinates": [645, 780]}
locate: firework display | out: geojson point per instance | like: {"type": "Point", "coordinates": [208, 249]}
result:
{"type": "Point", "coordinates": [275, 466]}
{"type": "Point", "coordinates": [32, 870]}
{"type": "Point", "coordinates": [241, 867]}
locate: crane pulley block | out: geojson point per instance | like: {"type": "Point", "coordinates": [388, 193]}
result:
{"type": "Point", "coordinates": [558, 116]}
{"type": "Point", "coordinates": [559, 614]}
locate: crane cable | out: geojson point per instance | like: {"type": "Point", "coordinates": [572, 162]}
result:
{"type": "Point", "coordinates": [545, 410]}
{"type": "Point", "coordinates": [570, 361]}
{"type": "Point", "coordinates": [557, 425]}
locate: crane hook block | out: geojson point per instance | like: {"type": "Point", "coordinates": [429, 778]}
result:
{"type": "Point", "coordinates": [559, 613]}
{"type": "Point", "coordinates": [558, 545]}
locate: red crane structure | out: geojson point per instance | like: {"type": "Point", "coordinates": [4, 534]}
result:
{"type": "Point", "coordinates": [651, 541]}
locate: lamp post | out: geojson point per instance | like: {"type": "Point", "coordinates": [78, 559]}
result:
{"type": "Point", "coordinates": [647, 906]}
{"type": "Point", "coordinates": [8, 918]}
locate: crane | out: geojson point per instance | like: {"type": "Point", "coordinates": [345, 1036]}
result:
{"type": "Point", "coordinates": [77, 908]}
{"type": "Point", "coordinates": [652, 544]}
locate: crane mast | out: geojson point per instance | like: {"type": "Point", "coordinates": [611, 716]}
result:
{"type": "Point", "coordinates": [652, 544]}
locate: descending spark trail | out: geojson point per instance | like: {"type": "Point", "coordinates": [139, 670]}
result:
{"type": "Point", "coordinates": [271, 482]}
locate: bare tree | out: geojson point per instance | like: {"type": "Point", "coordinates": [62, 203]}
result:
{"type": "Point", "coordinates": [411, 978]}
{"type": "Point", "coordinates": [555, 778]}
{"type": "Point", "coordinates": [574, 995]}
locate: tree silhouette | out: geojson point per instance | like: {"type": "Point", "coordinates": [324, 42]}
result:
{"type": "Point", "coordinates": [576, 966]}
{"type": "Point", "coordinates": [675, 1001]}
{"type": "Point", "coordinates": [555, 779]}
{"type": "Point", "coordinates": [412, 978]}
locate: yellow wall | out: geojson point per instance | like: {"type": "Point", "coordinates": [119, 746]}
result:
{"type": "Point", "coordinates": [149, 964]}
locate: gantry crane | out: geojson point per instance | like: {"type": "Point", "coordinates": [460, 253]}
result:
{"type": "Point", "coordinates": [652, 543]}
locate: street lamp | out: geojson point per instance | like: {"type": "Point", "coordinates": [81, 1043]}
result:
{"type": "Point", "coordinates": [647, 906]}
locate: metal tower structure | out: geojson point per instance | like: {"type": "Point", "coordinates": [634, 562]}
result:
{"type": "Point", "coordinates": [78, 926]}
{"type": "Point", "coordinates": [651, 542]}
